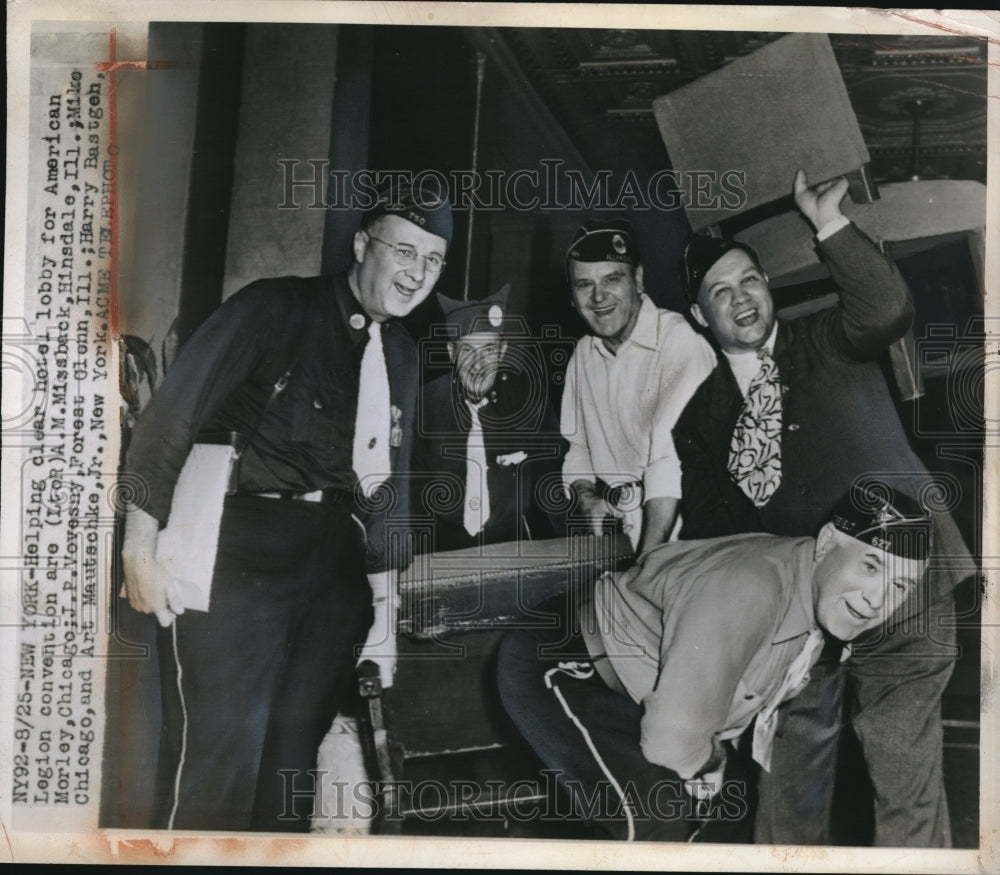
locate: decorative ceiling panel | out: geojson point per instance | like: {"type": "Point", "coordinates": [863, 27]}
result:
{"type": "Point", "coordinates": [600, 84]}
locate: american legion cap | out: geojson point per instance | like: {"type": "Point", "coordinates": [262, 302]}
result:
{"type": "Point", "coordinates": [895, 523]}
{"type": "Point", "coordinates": [423, 203]}
{"type": "Point", "coordinates": [701, 253]}
{"type": "Point", "coordinates": [604, 240]}
{"type": "Point", "coordinates": [470, 317]}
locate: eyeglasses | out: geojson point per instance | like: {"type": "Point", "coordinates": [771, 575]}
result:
{"type": "Point", "coordinates": [404, 256]}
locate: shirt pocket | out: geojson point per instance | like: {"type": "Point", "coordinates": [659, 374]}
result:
{"type": "Point", "coordinates": [322, 418]}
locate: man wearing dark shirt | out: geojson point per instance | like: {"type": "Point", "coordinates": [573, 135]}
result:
{"type": "Point", "coordinates": [796, 413]}
{"type": "Point", "coordinates": [487, 432]}
{"type": "Point", "coordinates": [306, 554]}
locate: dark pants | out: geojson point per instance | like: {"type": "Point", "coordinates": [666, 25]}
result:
{"type": "Point", "coordinates": [251, 687]}
{"type": "Point", "coordinates": [588, 734]}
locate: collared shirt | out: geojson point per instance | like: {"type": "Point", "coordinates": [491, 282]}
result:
{"type": "Point", "coordinates": [746, 365]}
{"type": "Point", "coordinates": [702, 635]}
{"type": "Point", "coordinates": [224, 374]}
{"type": "Point", "coordinates": [832, 227]}
{"type": "Point", "coordinates": [618, 409]}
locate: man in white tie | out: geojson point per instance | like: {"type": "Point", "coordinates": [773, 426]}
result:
{"type": "Point", "coordinates": [487, 432]}
{"type": "Point", "coordinates": [677, 656]}
{"type": "Point", "coordinates": [626, 384]}
{"type": "Point", "coordinates": [796, 412]}
{"type": "Point", "coordinates": [320, 379]}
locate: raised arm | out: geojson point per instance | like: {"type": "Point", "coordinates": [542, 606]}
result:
{"type": "Point", "coordinates": [875, 304]}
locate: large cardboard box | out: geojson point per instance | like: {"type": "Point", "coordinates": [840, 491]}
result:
{"type": "Point", "coordinates": [783, 107]}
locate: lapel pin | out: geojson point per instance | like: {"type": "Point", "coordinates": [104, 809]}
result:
{"type": "Point", "coordinates": [396, 432]}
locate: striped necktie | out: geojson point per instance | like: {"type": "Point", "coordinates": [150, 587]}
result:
{"type": "Point", "coordinates": [755, 449]}
{"type": "Point", "coordinates": [371, 426]}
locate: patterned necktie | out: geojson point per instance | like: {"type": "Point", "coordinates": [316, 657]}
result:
{"type": "Point", "coordinates": [371, 426]}
{"type": "Point", "coordinates": [796, 677]}
{"type": "Point", "coordinates": [477, 494]}
{"type": "Point", "coordinates": [755, 450]}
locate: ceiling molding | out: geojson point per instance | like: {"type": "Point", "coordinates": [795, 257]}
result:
{"type": "Point", "coordinates": [600, 85]}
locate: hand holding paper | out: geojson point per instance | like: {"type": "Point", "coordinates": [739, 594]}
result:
{"type": "Point", "coordinates": [150, 587]}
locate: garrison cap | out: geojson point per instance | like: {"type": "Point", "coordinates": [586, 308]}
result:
{"type": "Point", "coordinates": [425, 204]}
{"type": "Point", "coordinates": [896, 523]}
{"type": "Point", "coordinates": [604, 240]}
{"type": "Point", "coordinates": [469, 317]}
{"type": "Point", "coordinates": [701, 253]}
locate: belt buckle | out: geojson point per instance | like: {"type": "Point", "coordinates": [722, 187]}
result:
{"type": "Point", "coordinates": [288, 495]}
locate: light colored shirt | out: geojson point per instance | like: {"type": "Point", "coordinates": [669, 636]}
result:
{"type": "Point", "coordinates": [703, 634]}
{"type": "Point", "coordinates": [832, 227]}
{"type": "Point", "coordinates": [746, 365]}
{"type": "Point", "coordinates": [619, 409]}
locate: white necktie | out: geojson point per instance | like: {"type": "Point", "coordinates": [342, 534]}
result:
{"type": "Point", "coordinates": [371, 426]}
{"type": "Point", "coordinates": [796, 677]}
{"type": "Point", "coordinates": [477, 496]}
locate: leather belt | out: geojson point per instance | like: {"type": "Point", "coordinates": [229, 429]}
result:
{"type": "Point", "coordinates": [332, 495]}
{"type": "Point", "coordinates": [288, 495]}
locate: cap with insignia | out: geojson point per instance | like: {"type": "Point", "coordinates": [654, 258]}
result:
{"type": "Point", "coordinates": [896, 524]}
{"type": "Point", "coordinates": [424, 203]}
{"type": "Point", "coordinates": [701, 253]}
{"type": "Point", "coordinates": [472, 317]}
{"type": "Point", "coordinates": [604, 240]}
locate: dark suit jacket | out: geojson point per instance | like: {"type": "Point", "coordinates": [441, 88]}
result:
{"type": "Point", "coordinates": [839, 422]}
{"type": "Point", "coordinates": [517, 419]}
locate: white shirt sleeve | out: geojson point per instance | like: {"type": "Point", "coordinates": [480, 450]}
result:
{"type": "Point", "coordinates": [687, 361]}
{"type": "Point", "coordinates": [578, 464]}
{"type": "Point", "coordinates": [831, 228]}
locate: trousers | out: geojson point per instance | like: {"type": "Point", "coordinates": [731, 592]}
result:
{"type": "Point", "coordinates": [587, 734]}
{"type": "Point", "coordinates": [250, 688]}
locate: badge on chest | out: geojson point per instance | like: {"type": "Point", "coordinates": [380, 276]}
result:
{"type": "Point", "coordinates": [395, 428]}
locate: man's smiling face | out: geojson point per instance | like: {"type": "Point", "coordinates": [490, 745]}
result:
{"type": "Point", "coordinates": [857, 586]}
{"type": "Point", "coordinates": [477, 359]}
{"type": "Point", "coordinates": [606, 294]}
{"type": "Point", "coordinates": [735, 303]}
{"type": "Point", "coordinates": [385, 288]}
